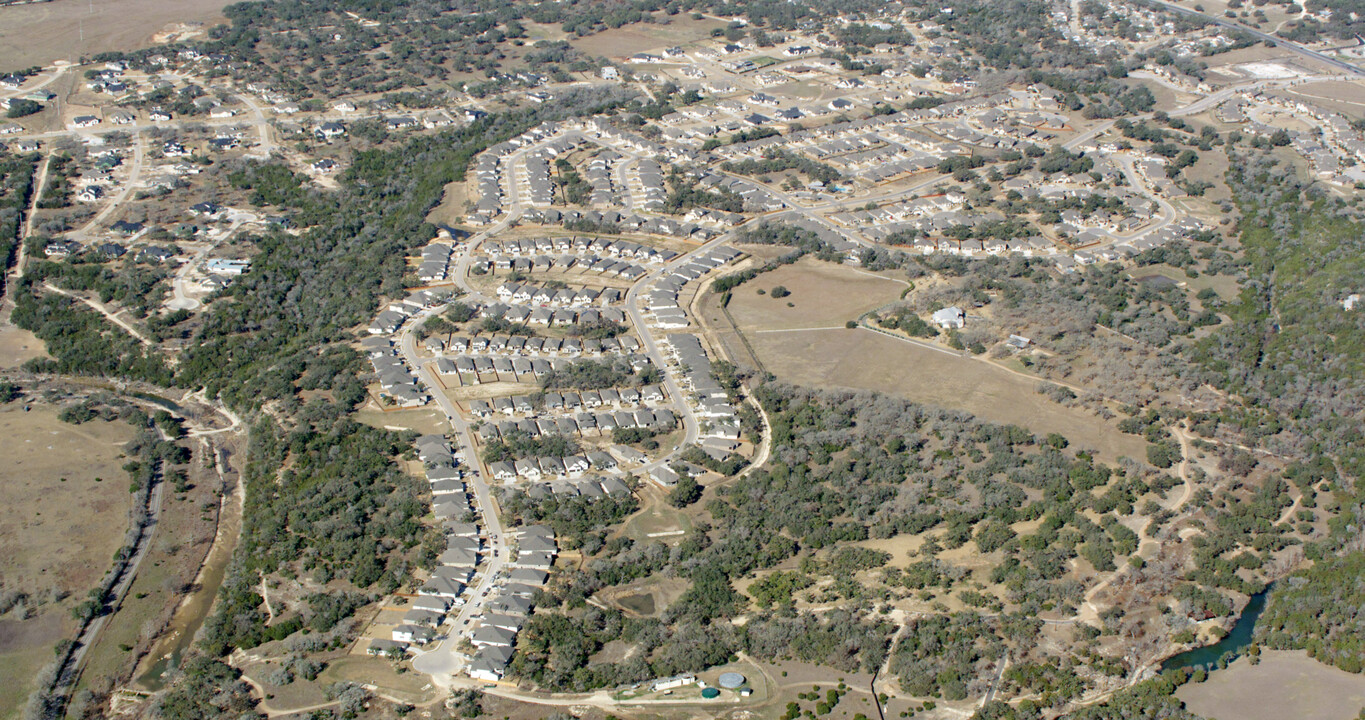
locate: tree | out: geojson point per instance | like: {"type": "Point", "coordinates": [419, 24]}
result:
{"type": "Point", "coordinates": [20, 107]}
{"type": "Point", "coordinates": [686, 492]}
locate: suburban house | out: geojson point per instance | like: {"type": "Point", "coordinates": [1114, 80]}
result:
{"type": "Point", "coordinates": [950, 318]}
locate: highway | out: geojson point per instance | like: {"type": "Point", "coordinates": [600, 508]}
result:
{"type": "Point", "coordinates": [1279, 41]}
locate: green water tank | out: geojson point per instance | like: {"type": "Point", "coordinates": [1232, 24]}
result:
{"type": "Point", "coordinates": [710, 693]}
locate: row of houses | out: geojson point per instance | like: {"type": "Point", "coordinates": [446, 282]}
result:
{"type": "Point", "coordinates": [536, 469]}
{"type": "Point", "coordinates": [448, 584]}
{"type": "Point", "coordinates": [435, 262]}
{"type": "Point", "coordinates": [598, 174]}
{"type": "Point", "coordinates": [474, 369]}
{"type": "Point", "coordinates": [605, 267]}
{"type": "Point", "coordinates": [662, 301]}
{"type": "Point", "coordinates": [538, 346]}
{"type": "Point", "coordinates": [710, 402]}
{"type": "Point", "coordinates": [554, 317]}
{"type": "Point", "coordinates": [389, 320]}
{"type": "Point", "coordinates": [611, 220]}
{"type": "Point", "coordinates": [659, 419]}
{"type": "Point", "coordinates": [397, 380]}
{"type": "Point", "coordinates": [555, 402]}
{"type": "Point", "coordinates": [568, 297]}
{"type": "Point", "coordinates": [495, 635]}
{"type": "Point", "coordinates": [645, 181]}
{"type": "Point", "coordinates": [590, 487]}
{"type": "Point", "coordinates": [581, 245]}
{"type": "Point", "coordinates": [756, 197]}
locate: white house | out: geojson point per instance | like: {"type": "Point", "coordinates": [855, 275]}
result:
{"type": "Point", "coordinates": [950, 317]}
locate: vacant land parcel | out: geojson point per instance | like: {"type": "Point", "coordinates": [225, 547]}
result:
{"type": "Point", "coordinates": [807, 344]}
{"type": "Point", "coordinates": [1284, 685]}
{"type": "Point", "coordinates": [63, 513]}
{"type": "Point", "coordinates": [40, 33]}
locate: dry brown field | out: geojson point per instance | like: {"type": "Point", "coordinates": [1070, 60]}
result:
{"type": "Point", "coordinates": [825, 296]}
{"type": "Point", "coordinates": [40, 33]}
{"type": "Point", "coordinates": [64, 504]}
{"type": "Point", "coordinates": [822, 295]}
{"type": "Point", "coordinates": [1284, 685]}
{"type": "Point", "coordinates": [626, 41]}
{"type": "Point", "coordinates": [1344, 96]}
{"type": "Point", "coordinates": [863, 359]}
{"type": "Point", "coordinates": [18, 346]}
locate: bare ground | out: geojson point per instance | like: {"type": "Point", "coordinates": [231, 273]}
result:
{"type": "Point", "coordinates": [67, 29]}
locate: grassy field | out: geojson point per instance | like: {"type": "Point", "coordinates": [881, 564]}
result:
{"type": "Point", "coordinates": [423, 420]}
{"type": "Point", "coordinates": [67, 29]}
{"type": "Point", "coordinates": [862, 359]}
{"type": "Point", "coordinates": [18, 346]}
{"type": "Point", "coordinates": [626, 41]}
{"type": "Point", "coordinates": [1344, 96]}
{"type": "Point", "coordinates": [822, 295]}
{"type": "Point", "coordinates": [451, 211]}
{"type": "Point", "coordinates": [63, 513]}
{"type": "Point", "coordinates": [1224, 285]}
{"type": "Point", "coordinates": [656, 520]}
{"type": "Point", "coordinates": [1284, 685]}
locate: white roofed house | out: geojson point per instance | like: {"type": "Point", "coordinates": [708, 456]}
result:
{"type": "Point", "coordinates": [412, 634]}
{"type": "Point", "coordinates": [950, 318]}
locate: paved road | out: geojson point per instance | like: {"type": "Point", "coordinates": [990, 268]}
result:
{"type": "Point", "coordinates": [443, 658]}
{"type": "Point", "coordinates": [1281, 42]}
{"type": "Point", "coordinates": [134, 176]}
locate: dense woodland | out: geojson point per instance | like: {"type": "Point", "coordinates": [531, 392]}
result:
{"type": "Point", "coordinates": [848, 467]}
{"type": "Point", "coordinates": [16, 187]}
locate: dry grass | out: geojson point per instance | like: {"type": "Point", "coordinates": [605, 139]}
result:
{"type": "Point", "coordinates": [626, 41]}
{"type": "Point", "coordinates": [67, 29]}
{"type": "Point", "coordinates": [18, 346]}
{"type": "Point", "coordinates": [862, 359]}
{"type": "Point", "coordinates": [59, 526]}
{"type": "Point", "coordinates": [656, 517]}
{"type": "Point", "coordinates": [414, 688]}
{"type": "Point", "coordinates": [423, 420]}
{"type": "Point", "coordinates": [1284, 685]}
{"type": "Point", "coordinates": [451, 210]}
{"type": "Point", "coordinates": [822, 295]}
{"type": "Point", "coordinates": [25, 647]}
{"type": "Point", "coordinates": [1344, 96]}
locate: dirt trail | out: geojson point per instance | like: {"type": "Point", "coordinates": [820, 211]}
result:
{"type": "Point", "coordinates": [103, 310]}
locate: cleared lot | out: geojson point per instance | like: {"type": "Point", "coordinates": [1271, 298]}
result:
{"type": "Point", "coordinates": [63, 512]}
{"type": "Point", "coordinates": [1285, 685]}
{"type": "Point", "coordinates": [39, 33]}
{"type": "Point", "coordinates": [822, 295]}
{"type": "Point", "coordinates": [863, 359]}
